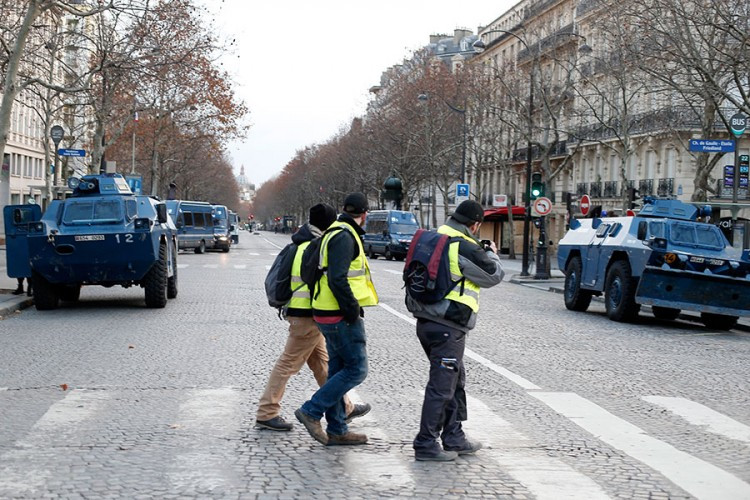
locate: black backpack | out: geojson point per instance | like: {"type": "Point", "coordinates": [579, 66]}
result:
{"type": "Point", "coordinates": [427, 269]}
{"type": "Point", "coordinates": [278, 282]}
{"type": "Point", "coordinates": [310, 269]}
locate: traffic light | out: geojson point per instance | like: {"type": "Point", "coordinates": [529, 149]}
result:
{"type": "Point", "coordinates": [632, 196]}
{"type": "Point", "coordinates": [537, 186]}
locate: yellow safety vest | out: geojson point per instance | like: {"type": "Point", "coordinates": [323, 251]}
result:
{"type": "Point", "coordinates": [470, 293]}
{"type": "Point", "coordinates": [358, 276]}
{"type": "Point", "coordinates": [300, 291]}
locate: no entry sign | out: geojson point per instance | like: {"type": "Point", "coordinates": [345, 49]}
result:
{"type": "Point", "coordinates": [585, 204]}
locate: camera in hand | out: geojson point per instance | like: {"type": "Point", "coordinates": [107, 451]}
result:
{"type": "Point", "coordinates": [487, 244]}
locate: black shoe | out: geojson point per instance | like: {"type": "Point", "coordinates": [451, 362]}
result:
{"type": "Point", "coordinates": [274, 424]}
{"type": "Point", "coordinates": [360, 410]}
{"type": "Point", "coordinates": [441, 456]}
{"type": "Point", "coordinates": [18, 291]}
{"type": "Point", "coordinates": [469, 447]}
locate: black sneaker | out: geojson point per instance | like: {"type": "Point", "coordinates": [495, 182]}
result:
{"type": "Point", "coordinates": [469, 447]}
{"type": "Point", "coordinates": [18, 291]}
{"type": "Point", "coordinates": [274, 424]}
{"type": "Point", "coordinates": [360, 410]}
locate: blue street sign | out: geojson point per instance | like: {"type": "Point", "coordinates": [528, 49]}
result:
{"type": "Point", "coordinates": [462, 190]}
{"type": "Point", "coordinates": [711, 146]}
{"type": "Point", "coordinates": [71, 152]}
{"type": "Point", "coordinates": [135, 182]}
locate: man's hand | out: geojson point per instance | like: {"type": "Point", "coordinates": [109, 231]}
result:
{"type": "Point", "coordinates": [493, 246]}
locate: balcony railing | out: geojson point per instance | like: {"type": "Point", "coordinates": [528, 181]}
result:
{"type": "Point", "coordinates": [646, 187]}
{"type": "Point", "coordinates": [665, 187]}
{"type": "Point", "coordinates": [560, 148]}
{"type": "Point", "coordinates": [581, 189]}
{"type": "Point", "coordinates": [674, 118]}
{"type": "Point", "coordinates": [610, 189]}
{"type": "Point", "coordinates": [595, 190]}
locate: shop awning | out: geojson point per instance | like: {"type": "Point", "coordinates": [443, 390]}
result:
{"type": "Point", "coordinates": [496, 213]}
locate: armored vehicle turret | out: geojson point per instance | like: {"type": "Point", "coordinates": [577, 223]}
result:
{"type": "Point", "coordinates": [668, 256]}
{"type": "Point", "coordinates": [102, 234]}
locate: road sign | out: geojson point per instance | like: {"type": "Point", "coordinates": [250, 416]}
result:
{"type": "Point", "coordinates": [737, 123]}
{"type": "Point", "coordinates": [542, 206]}
{"type": "Point", "coordinates": [462, 190]}
{"type": "Point", "coordinates": [711, 146]}
{"type": "Point", "coordinates": [71, 152]}
{"type": "Point", "coordinates": [585, 204]}
{"type": "Point", "coordinates": [500, 200]}
{"type": "Point", "coordinates": [56, 133]}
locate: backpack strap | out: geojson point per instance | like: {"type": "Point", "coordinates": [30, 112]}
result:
{"type": "Point", "coordinates": [412, 246]}
{"type": "Point", "coordinates": [316, 287]}
{"type": "Point", "coordinates": [437, 253]}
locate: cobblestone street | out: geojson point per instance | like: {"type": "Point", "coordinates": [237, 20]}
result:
{"type": "Point", "coordinates": [108, 399]}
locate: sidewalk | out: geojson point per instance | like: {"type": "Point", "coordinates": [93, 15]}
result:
{"type": "Point", "coordinates": [10, 303]}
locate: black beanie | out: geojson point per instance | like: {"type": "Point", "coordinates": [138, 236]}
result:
{"type": "Point", "coordinates": [322, 215]}
{"type": "Point", "coordinates": [356, 203]}
{"type": "Point", "coordinates": [469, 212]}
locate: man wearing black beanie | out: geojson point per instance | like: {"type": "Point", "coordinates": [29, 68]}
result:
{"type": "Point", "coordinates": [305, 343]}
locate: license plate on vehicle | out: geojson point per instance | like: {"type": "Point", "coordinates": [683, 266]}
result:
{"type": "Point", "coordinates": [90, 237]}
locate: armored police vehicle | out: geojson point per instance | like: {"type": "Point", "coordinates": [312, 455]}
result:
{"type": "Point", "coordinates": [665, 257]}
{"type": "Point", "coordinates": [102, 234]}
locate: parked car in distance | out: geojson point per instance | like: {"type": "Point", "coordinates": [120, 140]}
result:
{"type": "Point", "coordinates": [389, 233]}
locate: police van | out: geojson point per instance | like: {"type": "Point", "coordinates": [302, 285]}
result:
{"type": "Point", "coordinates": [234, 226]}
{"type": "Point", "coordinates": [222, 228]}
{"type": "Point", "coordinates": [389, 233]}
{"type": "Point", "coordinates": [195, 224]}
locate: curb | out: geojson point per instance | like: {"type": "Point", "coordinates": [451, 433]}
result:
{"type": "Point", "coordinates": [10, 306]}
{"type": "Point", "coordinates": [549, 286]}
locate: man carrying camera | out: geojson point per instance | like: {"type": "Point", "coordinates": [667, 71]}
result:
{"type": "Point", "coordinates": [442, 329]}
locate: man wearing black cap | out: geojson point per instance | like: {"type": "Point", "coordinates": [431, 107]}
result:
{"type": "Point", "coordinates": [442, 328]}
{"type": "Point", "coordinates": [305, 343]}
{"type": "Point", "coordinates": [343, 290]}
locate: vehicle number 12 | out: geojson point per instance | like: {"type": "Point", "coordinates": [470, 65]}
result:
{"type": "Point", "coordinates": [128, 238]}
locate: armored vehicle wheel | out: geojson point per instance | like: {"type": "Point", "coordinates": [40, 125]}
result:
{"type": "Point", "coordinates": [575, 298]}
{"type": "Point", "coordinates": [172, 282]}
{"type": "Point", "coordinates": [715, 321]}
{"type": "Point", "coordinates": [371, 254]}
{"type": "Point", "coordinates": [225, 249]}
{"type": "Point", "coordinates": [667, 313]}
{"type": "Point", "coordinates": [45, 293]}
{"type": "Point", "coordinates": [201, 248]}
{"type": "Point", "coordinates": [70, 293]}
{"type": "Point", "coordinates": [619, 293]}
{"type": "Point", "coordinates": [155, 281]}
{"type": "Point", "coordinates": [388, 255]}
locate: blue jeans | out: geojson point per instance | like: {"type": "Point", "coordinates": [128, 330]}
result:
{"type": "Point", "coordinates": [347, 368]}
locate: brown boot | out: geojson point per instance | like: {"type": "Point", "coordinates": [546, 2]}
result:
{"type": "Point", "coordinates": [350, 438]}
{"type": "Point", "coordinates": [313, 426]}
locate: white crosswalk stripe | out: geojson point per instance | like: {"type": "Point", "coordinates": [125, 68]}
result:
{"type": "Point", "coordinates": [253, 253]}
{"type": "Point", "coordinates": [207, 417]}
{"type": "Point", "coordinates": [182, 266]}
{"type": "Point", "coordinates": [546, 477]}
{"type": "Point", "coordinates": [697, 414]}
{"type": "Point", "coordinates": [240, 266]}
{"type": "Point", "coordinates": [698, 477]}
{"type": "Point", "coordinates": [28, 466]}
{"type": "Point", "coordinates": [210, 266]}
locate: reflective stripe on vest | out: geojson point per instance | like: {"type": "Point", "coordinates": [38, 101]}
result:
{"type": "Point", "coordinates": [300, 291]}
{"type": "Point", "coordinates": [358, 275]}
{"type": "Point", "coordinates": [467, 292]}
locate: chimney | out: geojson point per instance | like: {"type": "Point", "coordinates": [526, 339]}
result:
{"type": "Point", "coordinates": [436, 37]}
{"type": "Point", "coordinates": [460, 33]}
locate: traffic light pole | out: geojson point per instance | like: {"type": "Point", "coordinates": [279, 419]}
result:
{"type": "Point", "coordinates": [541, 252]}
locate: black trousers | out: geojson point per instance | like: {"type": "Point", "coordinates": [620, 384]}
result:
{"type": "Point", "coordinates": [444, 405]}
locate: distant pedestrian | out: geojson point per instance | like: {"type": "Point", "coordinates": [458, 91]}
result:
{"type": "Point", "coordinates": [442, 328]}
{"type": "Point", "coordinates": [305, 343]}
{"type": "Point", "coordinates": [344, 289]}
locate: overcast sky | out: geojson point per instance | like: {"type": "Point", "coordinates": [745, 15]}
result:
{"type": "Point", "coordinates": [305, 66]}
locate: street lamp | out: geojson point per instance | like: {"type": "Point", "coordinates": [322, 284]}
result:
{"type": "Point", "coordinates": [479, 47]}
{"type": "Point", "coordinates": [462, 112]}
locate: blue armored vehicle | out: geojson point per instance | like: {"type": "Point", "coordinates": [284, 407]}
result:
{"type": "Point", "coordinates": [665, 257]}
{"type": "Point", "coordinates": [103, 234]}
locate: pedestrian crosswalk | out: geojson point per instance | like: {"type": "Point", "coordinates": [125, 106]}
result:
{"type": "Point", "coordinates": [203, 446]}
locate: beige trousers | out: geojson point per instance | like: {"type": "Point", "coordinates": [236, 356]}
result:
{"type": "Point", "coordinates": [305, 344]}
